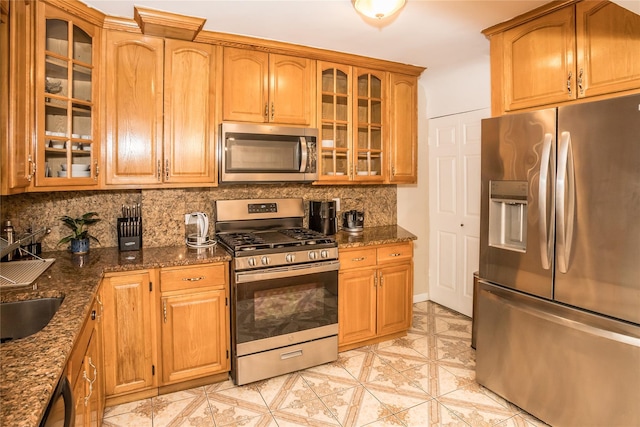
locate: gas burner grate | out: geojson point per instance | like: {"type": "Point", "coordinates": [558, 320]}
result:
{"type": "Point", "coordinates": [307, 236]}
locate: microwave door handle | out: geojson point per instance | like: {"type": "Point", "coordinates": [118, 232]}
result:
{"type": "Point", "coordinates": [303, 157]}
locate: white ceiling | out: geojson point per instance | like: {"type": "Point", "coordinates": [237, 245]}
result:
{"type": "Point", "coordinates": [429, 33]}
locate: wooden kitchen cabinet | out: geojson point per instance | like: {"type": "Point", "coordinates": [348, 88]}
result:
{"type": "Point", "coordinates": [375, 293]}
{"type": "Point", "coordinates": [160, 111]}
{"type": "Point", "coordinates": [403, 129]}
{"type": "Point", "coordinates": [86, 371]}
{"type": "Point", "coordinates": [129, 328]}
{"type": "Point", "coordinates": [352, 116]}
{"type": "Point", "coordinates": [559, 54]}
{"type": "Point", "coordinates": [66, 98]}
{"type": "Point", "coordinates": [16, 92]}
{"type": "Point", "coordinates": [260, 87]}
{"type": "Point", "coordinates": [194, 322]}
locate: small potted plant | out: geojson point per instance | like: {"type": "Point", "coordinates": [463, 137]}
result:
{"type": "Point", "coordinates": [80, 236]}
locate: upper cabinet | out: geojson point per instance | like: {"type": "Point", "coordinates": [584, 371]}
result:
{"type": "Point", "coordinates": [16, 92]}
{"type": "Point", "coordinates": [160, 111]}
{"type": "Point", "coordinates": [403, 129]}
{"type": "Point", "coordinates": [562, 53]}
{"type": "Point", "coordinates": [271, 88]}
{"type": "Point", "coordinates": [608, 48]}
{"type": "Point", "coordinates": [66, 93]}
{"type": "Point", "coordinates": [351, 113]}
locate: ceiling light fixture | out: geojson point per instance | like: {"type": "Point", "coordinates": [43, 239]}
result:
{"type": "Point", "coordinates": [378, 8]}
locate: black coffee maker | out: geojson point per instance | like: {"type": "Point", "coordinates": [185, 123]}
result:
{"type": "Point", "coordinates": [322, 216]}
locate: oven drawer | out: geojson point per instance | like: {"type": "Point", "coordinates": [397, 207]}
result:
{"type": "Point", "coordinates": [266, 364]}
{"type": "Point", "coordinates": [357, 258]}
{"type": "Point", "coordinates": [199, 276]}
{"type": "Point", "coordinates": [395, 253]}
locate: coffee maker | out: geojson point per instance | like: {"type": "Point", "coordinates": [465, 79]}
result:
{"type": "Point", "coordinates": [322, 216]}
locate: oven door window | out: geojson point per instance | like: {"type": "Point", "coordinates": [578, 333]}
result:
{"type": "Point", "coordinates": [268, 308]}
{"type": "Point", "coordinates": [264, 154]}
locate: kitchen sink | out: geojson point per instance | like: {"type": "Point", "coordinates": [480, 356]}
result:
{"type": "Point", "coordinates": [23, 318]}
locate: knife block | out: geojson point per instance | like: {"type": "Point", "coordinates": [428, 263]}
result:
{"type": "Point", "coordinates": [130, 234]}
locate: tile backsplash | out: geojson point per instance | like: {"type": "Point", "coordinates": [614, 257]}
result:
{"type": "Point", "coordinates": [163, 209]}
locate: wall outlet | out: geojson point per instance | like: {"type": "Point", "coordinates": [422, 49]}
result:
{"type": "Point", "coordinates": [337, 200]}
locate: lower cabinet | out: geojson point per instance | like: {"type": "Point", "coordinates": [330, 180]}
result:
{"type": "Point", "coordinates": [129, 332]}
{"type": "Point", "coordinates": [86, 371]}
{"type": "Point", "coordinates": [164, 327]}
{"type": "Point", "coordinates": [375, 293]}
{"type": "Point", "coordinates": [195, 322]}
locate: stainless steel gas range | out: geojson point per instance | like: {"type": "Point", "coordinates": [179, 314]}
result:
{"type": "Point", "coordinates": [284, 288]}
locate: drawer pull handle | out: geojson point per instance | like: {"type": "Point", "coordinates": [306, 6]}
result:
{"type": "Point", "coordinates": [295, 353]}
{"type": "Point", "coordinates": [193, 279]}
{"type": "Point", "coordinates": [395, 254]}
{"type": "Point", "coordinates": [164, 311]}
{"type": "Point", "coordinates": [359, 259]}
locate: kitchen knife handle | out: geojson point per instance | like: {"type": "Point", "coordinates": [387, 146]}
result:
{"type": "Point", "coordinates": [545, 224]}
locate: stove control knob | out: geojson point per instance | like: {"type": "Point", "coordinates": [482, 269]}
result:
{"type": "Point", "coordinates": [313, 255]}
{"type": "Point", "coordinates": [324, 253]}
{"type": "Point", "coordinates": [265, 260]}
{"type": "Point", "coordinates": [290, 257]}
{"type": "Point", "coordinates": [252, 262]}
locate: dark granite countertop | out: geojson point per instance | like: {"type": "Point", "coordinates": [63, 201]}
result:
{"type": "Point", "coordinates": [374, 236]}
{"type": "Point", "coordinates": [31, 367]}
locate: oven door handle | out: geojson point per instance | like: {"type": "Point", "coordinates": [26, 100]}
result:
{"type": "Point", "coordinates": [288, 271]}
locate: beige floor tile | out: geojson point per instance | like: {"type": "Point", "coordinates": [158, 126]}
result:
{"type": "Point", "coordinates": [368, 367]}
{"type": "Point", "coordinates": [128, 419]}
{"type": "Point", "coordinates": [141, 407]}
{"type": "Point", "coordinates": [432, 414]}
{"type": "Point", "coordinates": [355, 407]}
{"type": "Point", "coordinates": [436, 380]}
{"type": "Point", "coordinates": [304, 412]}
{"type": "Point", "coordinates": [286, 390]}
{"type": "Point", "coordinates": [476, 407]}
{"type": "Point", "coordinates": [397, 392]}
{"type": "Point", "coordinates": [328, 379]}
{"type": "Point", "coordinates": [235, 404]}
{"type": "Point", "coordinates": [193, 412]}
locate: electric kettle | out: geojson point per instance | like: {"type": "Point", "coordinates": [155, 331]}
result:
{"type": "Point", "coordinates": [353, 221]}
{"type": "Point", "coordinates": [197, 229]}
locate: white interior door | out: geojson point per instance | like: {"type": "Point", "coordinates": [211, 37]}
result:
{"type": "Point", "coordinates": [454, 208]}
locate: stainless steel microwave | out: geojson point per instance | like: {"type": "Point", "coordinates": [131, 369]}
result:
{"type": "Point", "coordinates": [261, 153]}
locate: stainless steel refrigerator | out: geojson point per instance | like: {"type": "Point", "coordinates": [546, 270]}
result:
{"type": "Point", "coordinates": [558, 300]}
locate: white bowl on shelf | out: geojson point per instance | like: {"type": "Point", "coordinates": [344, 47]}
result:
{"type": "Point", "coordinates": [81, 174]}
{"type": "Point", "coordinates": [327, 142]}
{"type": "Point", "coordinates": [362, 173]}
{"type": "Point", "coordinates": [62, 174]}
{"type": "Point", "coordinates": [86, 147]}
{"type": "Point", "coordinates": [374, 172]}
{"type": "Point", "coordinates": [76, 146]}
{"type": "Point", "coordinates": [336, 173]}
{"type": "Point", "coordinates": [56, 144]}
{"type": "Point", "coordinates": [80, 167]}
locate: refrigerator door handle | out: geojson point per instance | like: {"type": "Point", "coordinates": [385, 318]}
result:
{"type": "Point", "coordinates": [565, 201]}
{"type": "Point", "coordinates": [547, 164]}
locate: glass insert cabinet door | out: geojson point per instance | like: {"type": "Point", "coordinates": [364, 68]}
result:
{"type": "Point", "coordinates": [66, 150]}
{"type": "Point", "coordinates": [369, 134]}
{"type": "Point", "coordinates": [335, 107]}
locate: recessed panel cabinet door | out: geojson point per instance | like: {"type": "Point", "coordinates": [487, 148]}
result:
{"type": "Point", "coordinates": [608, 43]}
{"type": "Point", "coordinates": [129, 333]}
{"type": "Point", "coordinates": [189, 120]}
{"type": "Point", "coordinates": [395, 296]}
{"type": "Point", "coordinates": [194, 335]}
{"type": "Point", "coordinates": [356, 305]}
{"type": "Point", "coordinates": [539, 66]}
{"type": "Point", "coordinates": [291, 89]}
{"type": "Point", "coordinates": [134, 98]}
{"type": "Point", "coordinates": [245, 85]}
{"type": "Point", "coordinates": [403, 139]}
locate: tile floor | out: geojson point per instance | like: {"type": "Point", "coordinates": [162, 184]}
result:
{"type": "Point", "coordinates": [424, 379]}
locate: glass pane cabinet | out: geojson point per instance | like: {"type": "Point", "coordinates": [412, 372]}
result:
{"type": "Point", "coordinates": [351, 116]}
{"type": "Point", "coordinates": [335, 111]}
{"type": "Point", "coordinates": [369, 117]}
{"type": "Point", "coordinates": [66, 150]}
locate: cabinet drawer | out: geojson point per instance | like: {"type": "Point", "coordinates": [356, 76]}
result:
{"type": "Point", "coordinates": [201, 276]}
{"type": "Point", "coordinates": [395, 253]}
{"type": "Point", "coordinates": [357, 258]}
